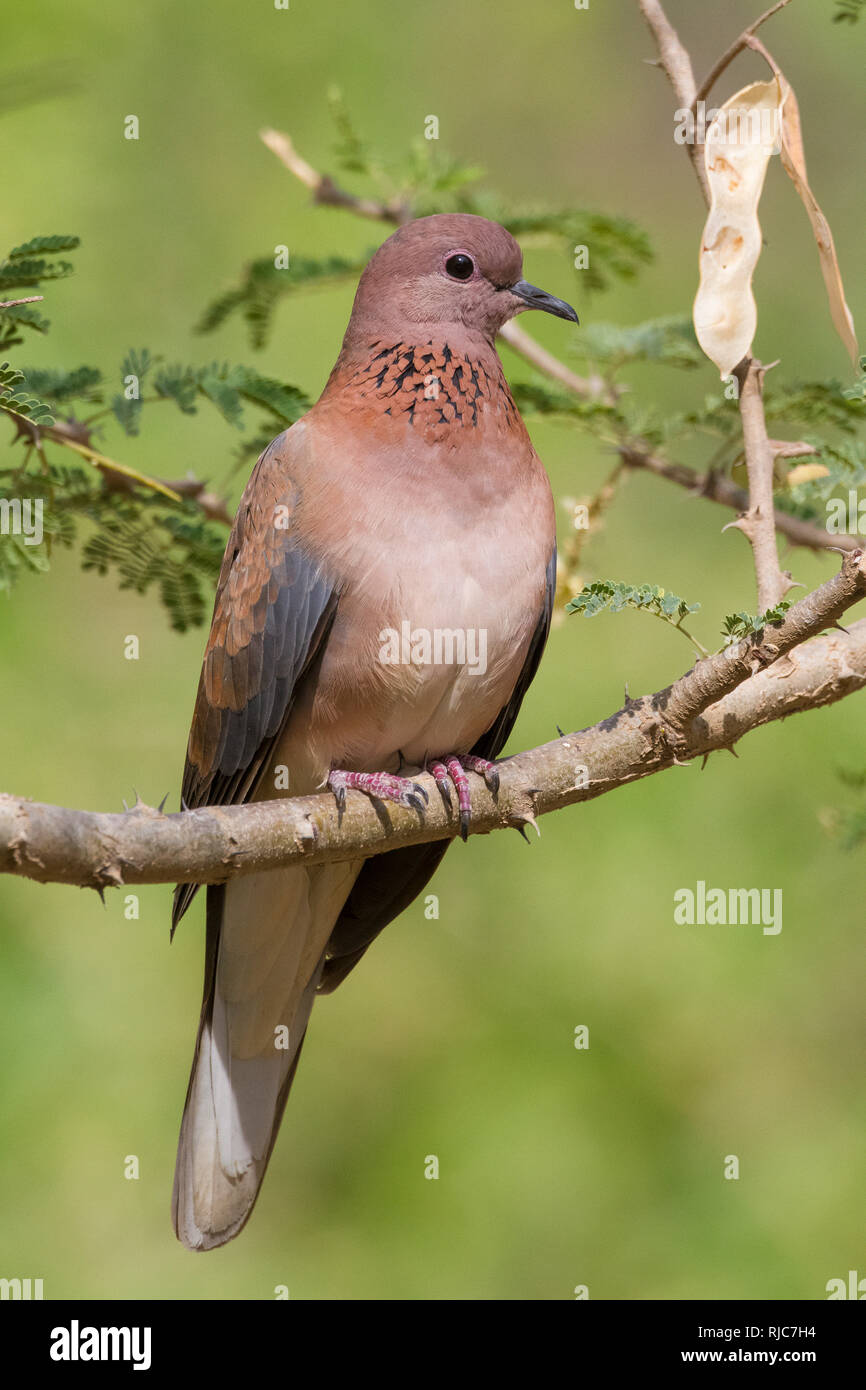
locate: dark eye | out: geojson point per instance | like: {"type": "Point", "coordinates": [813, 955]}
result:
{"type": "Point", "coordinates": [460, 267]}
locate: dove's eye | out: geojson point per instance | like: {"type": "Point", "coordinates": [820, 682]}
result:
{"type": "Point", "coordinates": [460, 266]}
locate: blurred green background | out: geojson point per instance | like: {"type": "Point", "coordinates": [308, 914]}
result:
{"type": "Point", "coordinates": [558, 1167]}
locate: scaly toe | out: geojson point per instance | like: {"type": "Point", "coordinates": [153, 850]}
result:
{"type": "Point", "coordinates": [382, 785]}
{"type": "Point", "coordinates": [439, 772]}
{"type": "Point", "coordinates": [489, 771]}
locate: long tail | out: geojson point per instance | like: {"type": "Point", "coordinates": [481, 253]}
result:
{"type": "Point", "coordinates": [266, 939]}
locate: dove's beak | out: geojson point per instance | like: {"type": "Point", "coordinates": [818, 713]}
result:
{"type": "Point", "coordinates": [534, 298]}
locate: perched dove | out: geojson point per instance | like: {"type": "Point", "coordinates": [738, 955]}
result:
{"type": "Point", "coordinates": [383, 603]}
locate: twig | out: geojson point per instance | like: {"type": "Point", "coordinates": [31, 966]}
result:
{"type": "Point", "coordinates": [28, 299]}
{"type": "Point", "coordinates": [593, 388]}
{"type": "Point", "coordinates": [63, 432]}
{"type": "Point", "coordinates": [711, 707]}
{"type": "Point", "coordinates": [758, 522]}
{"type": "Point", "coordinates": [323, 188]}
{"type": "Point", "coordinates": [108, 465]}
{"type": "Point", "coordinates": [718, 488]}
{"type": "Point", "coordinates": [736, 47]}
{"type": "Point", "coordinates": [213, 506]}
{"type": "Point", "coordinates": [678, 67]}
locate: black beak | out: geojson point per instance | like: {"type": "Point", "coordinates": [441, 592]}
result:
{"type": "Point", "coordinates": [535, 298]}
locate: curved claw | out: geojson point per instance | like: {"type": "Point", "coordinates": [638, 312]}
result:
{"type": "Point", "coordinates": [486, 769]}
{"type": "Point", "coordinates": [382, 785]}
{"type": "Point", "coordinates": [439, 772]}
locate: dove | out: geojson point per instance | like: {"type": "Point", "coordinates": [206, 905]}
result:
{"type": "Point", "coordinates": [381, 610]}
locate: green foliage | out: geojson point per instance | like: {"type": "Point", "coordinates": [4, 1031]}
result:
{"type": "Point", "coordinates": [427, 181]}
{"type": "Point", "coordinates": [793, 409]}
{"type": "Point", "coordinates": [60, 387]}
{"type": "Point", "coordinates": [670, 340]}
{"type": "Point", "coordinates": [849, 823]}
{"type": "Point", "coordinates": [144, 538]}
{"type": "Point", "coordinates": [813, 404]}
{"type": "Point", "coordinates": [350, 151]}
{"type": "Point", "coordinates": [44, 246]}
{"type": "Point", "coordinates": [179, 384]}
{"type": "Point", "coordinates": [433, 178]}
{"type": "Point", "coordinates": [153, 543]}
{"type": "Point", "coordinates": [617, 246]}
{"type": "Point", "coordinates": [848, 11]}
{"type": "Point", "coordinates": [845, 462]}
{"type": "Point", "coordinates": [613, 596]}
{"type": "Point", "coordinates": [540, 399]}
{"type": "Point", "coordinates": [153, 548]}
{"type": "Point", "coordinates": [737, 626]}
{"type": "Point", "coordinates": [263, 286]}
{"type": "Point", "coordinates": [126, 408]}
{"type": "Point", "coordinates": [17, 316]}
{"type": "Point", "coordinates": [123, 526]}
{"type": "Point", "coordinates": [17, 402]}
{"type": "Point", "coordinates": [857, 392]}
{"type": "Point", "coordinates": [228, 388]}
{"type": "Point", "coordinates": [26, 268]}
{"type": "Point", "coordinates": [21, 272]}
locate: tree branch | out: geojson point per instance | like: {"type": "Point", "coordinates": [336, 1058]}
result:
{"type": "Point", "coordinates": [758, 523]}
{"type": "Point", "coordinates": [736, 48]}
{"type": "Point", "coordinates": [718, 488]}
{"type": "Point", "coordinates": [28, 299]}
{"type": "Point", "coordinates": [723, 697]}
{"type": "Point", "coordinates": [677, 66]}
{"type": "Point", "coordinates": [593, 388]}
{"type": "Point", "coordinates": [324, 189]}
{"type": "Point", "coordinates": [75, 435]}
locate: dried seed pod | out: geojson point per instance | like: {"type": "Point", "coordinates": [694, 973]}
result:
{"type": "Point", "coordinates": [739, 142]}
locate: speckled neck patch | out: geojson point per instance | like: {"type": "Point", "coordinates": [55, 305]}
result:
{"type": "Point", "coordinates": [431, 384]}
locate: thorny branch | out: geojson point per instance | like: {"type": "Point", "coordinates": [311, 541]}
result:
{"type": "Point", "coordinates": [677, 64]}
{"type": "Point", "coordinates": [735, 49]}
{"type": "Point", "coordinates": [723, 697]}
{"type": "Point", "coordinates": [790, 666]}
{"type": "Point", "coordinates": [757, 523]}
{"type": "Point", "coordinates": [119, 477]}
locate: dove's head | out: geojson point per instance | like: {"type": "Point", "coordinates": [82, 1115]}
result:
{"type": "Point", "coordinates": [447, 270]}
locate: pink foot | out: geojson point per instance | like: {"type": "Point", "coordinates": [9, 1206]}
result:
{"type": "Point", "coordinates": [382, 785]}
{"type": "Point", "coordinates": [454, 769]}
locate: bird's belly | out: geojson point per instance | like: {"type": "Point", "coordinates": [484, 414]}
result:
{"type": "Point", "coordinates": [437, 610]}
{"type": "Point", "coordinates": [455, 665]}
{"type": "Point", "coordinates": [424, 668]}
